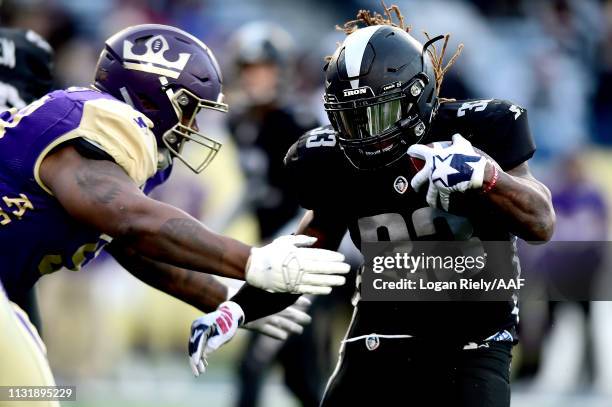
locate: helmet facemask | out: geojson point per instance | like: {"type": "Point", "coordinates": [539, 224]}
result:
{"type": "Point", "coordinates": [374, 116]}
{"type": "Point", "coordinates": [187, 106]}
{"type": "Point", "coordinates": [376, 131]}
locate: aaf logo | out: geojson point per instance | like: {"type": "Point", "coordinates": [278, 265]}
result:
{"type": "Point", "coordinates": [153, 59]}
{"type": "Point", "coordinates": [400, 184]}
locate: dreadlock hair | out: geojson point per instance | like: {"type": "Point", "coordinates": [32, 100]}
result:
{"type": "Point", "coordinates": [367, 18]}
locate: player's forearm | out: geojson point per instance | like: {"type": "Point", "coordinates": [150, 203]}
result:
{"type": "Point", "coordinates": [198, 289]}
{"type": "Point", "coordinates": [164, 233]}
{"type": "Point", "coordinates": [525, 204]}
{"type": "Point", "coordinates": [257, 303]}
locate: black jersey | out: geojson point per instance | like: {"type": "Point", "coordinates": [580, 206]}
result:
{"type": "Point", "coordinates": [369, 204]}
{"type": "Point", "coordinates": [25, 67]}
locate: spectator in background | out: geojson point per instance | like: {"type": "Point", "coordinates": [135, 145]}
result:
{"type": "Point", "coordinates": [574, 328]}
{"type": "Point", "coordinates": [263, 121]}
{"type": "Point", "coordinates": [264, 124]}
{"type": "Point", "coordinates": [581, 209]}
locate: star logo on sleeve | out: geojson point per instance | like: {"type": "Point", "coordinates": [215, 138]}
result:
{"type": "Point", "coordinates": [453, 169]}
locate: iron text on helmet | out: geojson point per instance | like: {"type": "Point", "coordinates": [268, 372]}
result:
{"type": "Point", "coordinates": [353, 92]}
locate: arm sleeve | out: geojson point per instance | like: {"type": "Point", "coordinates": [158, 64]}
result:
{"type": "Point", "coordinates": [508, 139]}
{"type": "Point", "coordinates": [257, 303]}
{"type": "Point", "coordinates": [314, 176]}
{"type": "Point", "coordinates": [294, 174]}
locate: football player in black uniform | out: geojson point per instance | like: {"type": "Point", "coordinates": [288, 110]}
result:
{"type": "Point", "coordinates": [381, 96]}
{"type": "Point", "coordinates": [25, 67]}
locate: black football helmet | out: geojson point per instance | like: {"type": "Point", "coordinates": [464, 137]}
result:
{"type": "Point", "coordinates": [380, 94]}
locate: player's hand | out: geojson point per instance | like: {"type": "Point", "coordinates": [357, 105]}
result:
{"type": "Point", "coordinates": [281, 325]}
{"type": "Point", "coordinates": [449, 167]}
{"type": "Point", "coordinates": [289, 265]}
{"type": "Point", "coordinates": [210, 332]}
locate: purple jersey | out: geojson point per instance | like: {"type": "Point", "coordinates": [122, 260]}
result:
{"type": "Point", "coordinates": [37, 236]}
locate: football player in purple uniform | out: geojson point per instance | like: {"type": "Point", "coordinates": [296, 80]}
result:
{"type": "Point", "coordinates": [26, 70]}
{"type": "Point", "coordinates": [25, 75]}
{"type": "Point", "coordinates": [76, 167]}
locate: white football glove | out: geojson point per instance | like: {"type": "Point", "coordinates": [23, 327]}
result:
{"type": "Point", "coordinates": [449, 167]}
{"type": "Point", "coordinates": [289, 265]}
{"type": "Point", "coordinates": [281, 325]}
{"type": "Point", "coordinates": [211, 331]}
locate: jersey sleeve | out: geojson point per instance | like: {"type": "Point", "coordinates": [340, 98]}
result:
{"type": "Point", "coordinates": [510, 142]}
{"type": "Point", "coordinates": [122, 133]}
{"type": "Point", "coordinates": [513, 143]}
{"type": "Point", "coordinates": [118, 131]}
{"type": "Point", "coordinates": [295, 171]}
{"type": "Point", "coordinates": [498, 127]}
{"type": "Point", "coordinates": [313, 168]}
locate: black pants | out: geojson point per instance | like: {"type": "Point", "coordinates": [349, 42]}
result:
{"type": "Point", "coordinates": [406, 372]}
{"type": "Point", "coordinates": [297, 356]}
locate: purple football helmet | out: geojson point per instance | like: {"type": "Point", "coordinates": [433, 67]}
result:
{"type": "Point", "coordinates": [169, 76]}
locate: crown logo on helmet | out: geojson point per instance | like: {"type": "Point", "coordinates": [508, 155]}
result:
{"type": "Point", "coordinates": [155, 48]}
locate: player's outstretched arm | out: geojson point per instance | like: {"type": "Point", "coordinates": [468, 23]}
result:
{"type": "Point", "coordinates": [209, 295]}
{"type": "Point", "coordinates": [200, 290]}
{"type": "Point", "coordinates": [329, 233]}
{"type": "Point", "coordinates": [100, 194]}
{"type": "Point", "coordinates": [205, 292]}
{"type": "Point", "coordinates": [210, 332]}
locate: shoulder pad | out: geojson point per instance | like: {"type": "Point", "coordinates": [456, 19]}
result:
{"type": "Point", "coordinates": [498, 127]}
{"type": "Point", "coordinates": [313, 164]}
{"type": "Point", "coordinates": [313, 144]}
{"type": "Point", "coordinates": [123, 133]}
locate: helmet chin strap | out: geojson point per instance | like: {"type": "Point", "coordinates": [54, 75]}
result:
{"type": "Point", "coordinates": [126, 96]}
{"type": "Point", "coordinates": [170, 93]}
{"type": "Point", "coordinates": [164, 158]}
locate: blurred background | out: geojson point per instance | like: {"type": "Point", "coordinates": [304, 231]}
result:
{"type": "Point", "coordinates": [124, 344]}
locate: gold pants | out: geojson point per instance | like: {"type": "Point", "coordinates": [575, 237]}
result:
{"type": "Point", "coordinates": [23, 356]}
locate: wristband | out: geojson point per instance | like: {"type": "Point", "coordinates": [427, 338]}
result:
{"type": "Point", "coordinates": [491, 184]}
